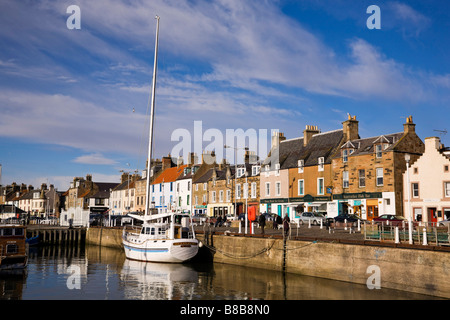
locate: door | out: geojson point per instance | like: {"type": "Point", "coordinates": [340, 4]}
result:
{"type": "Point", "coordinates": [432, 215]}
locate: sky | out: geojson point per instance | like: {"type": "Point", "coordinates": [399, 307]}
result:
{"type": "Point", "coordinates": [76, 101]}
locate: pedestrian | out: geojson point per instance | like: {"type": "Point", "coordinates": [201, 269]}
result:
{"type": "Point", "coordinates": [218, 221]}
{"type": "Point", "coordinates": [262, 222]}
{"type": "Point", "coordinates": [286, 221]}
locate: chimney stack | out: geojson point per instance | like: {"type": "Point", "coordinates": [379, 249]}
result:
{"type": "Point", "coordinates": [166, 162]}
{"type": "Point", "coordinates": [308, 133]}
{"type": "Point", "coordinates": [277, 137]}
{"type": "Point", "coordinates": [409, 126]}
{"type": "Point", "coordinates": [350, 127]}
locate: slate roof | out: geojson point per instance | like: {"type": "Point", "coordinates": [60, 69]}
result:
{"type": "Point", "coordinates": [367, 145]}
{"type": "Point", "coordinates": [323, 144]}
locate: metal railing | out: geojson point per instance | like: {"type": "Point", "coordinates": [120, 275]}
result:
{"type": "Point", "coordinates": [419, 233]}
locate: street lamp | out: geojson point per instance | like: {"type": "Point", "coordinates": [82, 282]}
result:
{"type": "Point", "coordinates": [407, 159]}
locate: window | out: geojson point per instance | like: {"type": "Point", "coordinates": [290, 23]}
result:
{"type": "Point", "coordinates": [160, 187]}
{"type": "Point", "coordinates": [344, 155]}
{"type": "Point", "coordinates": [205, 186]}
{"type": "Point", "coordinates": [278, 188]}
{"type": "Point", "coordinates": [187, 200]}
{"type": "Point", "coordinates": [12, 248]}
{"type": "Point", "coordinates": [171, 186]}
{"type": "Point", "coordinates": [320, 185]}
{"type": "Point", "coordinates": [238, 191]}
{"type": "Point", "coordinates": [345, 183]}
{"type": "Point", "coordinates": [447, 189]}
{"type": "Point", "coordinates": [256, 170]}
{"type": "Point", "coordinates": [213, 195]}
{"type": "Point", "coordinates": [221, 196]}
{"type": "Point", "coordinates": [189, 186]}
{"type": "Point", "coordinates": [253, 195]}
{"type": "Point", "coordinates": [415, 189]}
{"type": "Point", "coordinates": [267, 188]}
{"type": "Point", "coordinates": [362, 178]}
{"type": "Point", "coordinates": [301, 187]}
{"type": "Point", "coordinates": [196, 187]}
{"type": "Point", "coordinates": [300, 166]}
{"type": "Point", "coordinates": [240, 172]}
{"type": "Point", "coordinates": [196, 200]}
{"type": "Point", "coordinates": [378, 150]}
{"type": "Point", "coordinates": [446, 168]}
{"type": "Point", "coordinates": [277, 169]}
{"type": "Point", "coordinates": [321, 164]}
{"type": "Point", "coordinates": [228, 195]}
{"type": "Point", "coordinates": [416, 170]}
{"type": "Point", "coordinates": [379, 176]}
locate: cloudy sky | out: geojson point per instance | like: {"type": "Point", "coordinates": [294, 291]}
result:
{"type": "Point", "coordinates": [75, 101]}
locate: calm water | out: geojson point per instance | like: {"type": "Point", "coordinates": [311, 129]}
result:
{"type": "Point", "coordinates": [105, 274]}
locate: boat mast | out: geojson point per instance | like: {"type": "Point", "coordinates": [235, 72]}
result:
{"type": "Point", "coordinates": [150, 142]}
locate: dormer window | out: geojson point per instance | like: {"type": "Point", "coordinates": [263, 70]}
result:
{"type": "Point", "coordinates": [301, 164]}
{"type": "Point", "coordinates": [255, 170]}
{"type": "Point", "coordinates": [277, 169]}
{"type": "Point", "coordinates": [345, 155]}
{"type": "Point", "coordinates": [321, 163]}
{"type": "Point", "coordinates": [379, 150]}
{"type": "Point", "coordinates": [240, 172]}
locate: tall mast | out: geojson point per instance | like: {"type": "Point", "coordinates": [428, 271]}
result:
{"type": "Point", "coordinates": [150, 141]}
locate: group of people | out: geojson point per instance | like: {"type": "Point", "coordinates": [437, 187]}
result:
{"type": "Point", "coordinates": [276, 222]}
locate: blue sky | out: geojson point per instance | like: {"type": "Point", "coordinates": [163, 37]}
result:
{"type": "Point", "coordinates": [74, 102]}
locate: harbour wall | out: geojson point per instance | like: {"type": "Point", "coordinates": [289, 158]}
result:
{"type": "Point", "coordinates": [415, 270]}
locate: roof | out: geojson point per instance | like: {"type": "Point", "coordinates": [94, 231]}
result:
{"type": "Point", "coordinates": [170, 174]}
{"type": "Point", "coordinates": [367, 145]}
{"type": "Point", "coordinates": [205, 177]}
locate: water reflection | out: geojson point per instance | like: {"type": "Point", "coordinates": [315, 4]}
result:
{"type": "Point", "coordinates": [101, 273]}
{"type": "Point", "coordinates": [157, 281]}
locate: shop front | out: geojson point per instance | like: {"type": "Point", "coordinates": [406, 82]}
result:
{"type": "Point", "coordinates": [364, 204]}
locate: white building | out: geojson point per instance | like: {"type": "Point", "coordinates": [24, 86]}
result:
{"type": "Point", "coordinates": [164, 193]}
{"type": "Point", "coordinates": [427, 184]}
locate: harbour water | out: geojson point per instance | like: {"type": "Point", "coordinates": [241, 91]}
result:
{"type": "Point", "coordinates": [99, 273]}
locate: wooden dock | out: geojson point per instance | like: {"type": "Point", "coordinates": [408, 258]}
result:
{"type": "Point", "coordinates": [56, 235]}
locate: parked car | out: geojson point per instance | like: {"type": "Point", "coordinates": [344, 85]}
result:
{"type": "Point", "coordinates": [444, 223]}
{"type": "Point", "coordinates": [314, 217]}
{"type": "Point", "coordinates": [349, 218]}
{"type": "Point", "coordinates": [392, 219]}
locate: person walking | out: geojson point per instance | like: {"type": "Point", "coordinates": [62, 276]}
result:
{"type": "Point", "coordinates": [262, 222]}
{"type": "Point", "coordinates": [286, 222]}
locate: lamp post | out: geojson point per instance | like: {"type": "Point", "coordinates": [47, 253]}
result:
{"type": "Point", "coordinates": [407, 159]}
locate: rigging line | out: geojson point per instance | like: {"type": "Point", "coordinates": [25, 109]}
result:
{"type": "Point", "coordinates": [240, 257]}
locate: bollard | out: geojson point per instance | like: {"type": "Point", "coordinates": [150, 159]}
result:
{"type": "Point", "coordinates": [359, 225]}
{"type": "Point", "coordinates": [345, 223]}
{"type": "Point", "coordinates": [425, 237]}
{"type": "Point", "coordinates": [410, 232]}
{"type": "Point", "coordinates": [321, 224]}
{"type": "Point", "coordinates": [309, 223]}
{"type": "Point", "coordinates": [240, 226]}
{"type": "Point", "coordinates": [397, 239]}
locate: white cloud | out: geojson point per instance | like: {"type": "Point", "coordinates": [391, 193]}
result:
{"type": "Point", "coordinates": [94, 158]}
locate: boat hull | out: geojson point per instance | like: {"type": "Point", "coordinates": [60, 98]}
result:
{"type": "Point", "coordinates": [169, 251]}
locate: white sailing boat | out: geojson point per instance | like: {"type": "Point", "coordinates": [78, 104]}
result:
{"type": "Point", "coordinates": [167, 237]}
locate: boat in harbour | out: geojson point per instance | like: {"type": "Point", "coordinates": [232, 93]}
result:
{"type": "Point", "coordinates": [13, 247]}
{"type": "Point", "coordinates": [162, 237]}
{"type": "Point", "coordinates": [166, 237]}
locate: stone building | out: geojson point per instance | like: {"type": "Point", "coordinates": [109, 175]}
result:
{"type": "Point", "coordinates": [368, 173]}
